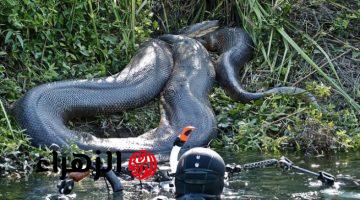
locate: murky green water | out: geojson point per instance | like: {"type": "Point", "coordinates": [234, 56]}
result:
{"type": "Point", "coordinates": [270, 183]}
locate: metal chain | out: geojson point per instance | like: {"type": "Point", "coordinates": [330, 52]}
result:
{"type": "Point", "coordinates": [232, 168]}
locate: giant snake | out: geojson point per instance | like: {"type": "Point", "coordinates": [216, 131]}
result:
{"type": "Point", "coordinates": [177, 68]}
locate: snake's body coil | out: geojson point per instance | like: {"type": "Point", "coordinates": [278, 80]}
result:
{"type": "Point", "coordinates": [182, 75]}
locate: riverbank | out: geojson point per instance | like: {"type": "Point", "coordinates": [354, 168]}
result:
{"type": "Point", "coordinates": [308, 45]}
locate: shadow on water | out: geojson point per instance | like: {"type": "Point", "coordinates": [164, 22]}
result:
{"type": "Point", "coordinates": [269, 183]}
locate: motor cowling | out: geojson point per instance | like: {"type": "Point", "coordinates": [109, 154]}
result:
{"type": "Point", "coordinates": [200, 171]}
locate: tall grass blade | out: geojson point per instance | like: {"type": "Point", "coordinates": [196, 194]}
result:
{"type": "Point", "coordinates": [319, 70]}
{"type": "Point", "coordinates": [133, 12]}
{"type": "Point", "coordinates": [326, 56]}
{"type": "Point", "coordinates": [92, 16]}
{"type": "Point", "coordinates": [7, 119]}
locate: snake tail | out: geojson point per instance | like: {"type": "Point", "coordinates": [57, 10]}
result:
{"type": "Point", "coordinates": [236, 48]}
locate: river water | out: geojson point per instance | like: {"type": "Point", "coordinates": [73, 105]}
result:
{"type": "Point", "coordinates": [267, 183]}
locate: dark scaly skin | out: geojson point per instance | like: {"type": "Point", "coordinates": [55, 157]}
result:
{"type": "Point", "coordinates": [44, 110]}
{"type": "Point", "coordinates": [199, 29]}
{"type": "Point", "coordinates": [236, 49]}
{"type": "Point", "coordinates": [186, 96]}
{"type": "Point", "coordinates": [184, 79]}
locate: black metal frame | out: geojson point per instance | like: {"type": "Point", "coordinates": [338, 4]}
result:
{"type": "Point", "coordinates": [285, 164]}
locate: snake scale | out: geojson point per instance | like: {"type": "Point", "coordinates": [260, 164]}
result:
{"type": "Point", "coordinates": [175, 67]}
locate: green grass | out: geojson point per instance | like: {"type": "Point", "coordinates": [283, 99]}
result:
{"type": "Point", "coordinates": [45, 41]}
{"type": "Point", "coordinates": [297, 44]}
{"type": "Point", "coordinates": [295, 47]}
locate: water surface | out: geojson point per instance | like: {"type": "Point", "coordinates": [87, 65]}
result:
{"type": "Point", "coordinates": [268, 183]}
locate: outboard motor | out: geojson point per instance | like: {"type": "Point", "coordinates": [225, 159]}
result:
{"type": "Point", "coordinates": [199, 175]}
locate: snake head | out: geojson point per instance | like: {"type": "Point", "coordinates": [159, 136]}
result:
{"type": "Point", "coordinates": [199, 29]}
{"type": "Point", "coordinates": [209, 41]}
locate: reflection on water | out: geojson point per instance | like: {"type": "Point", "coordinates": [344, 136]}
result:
{"type": "Point", "coordinates": [270, 183]}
